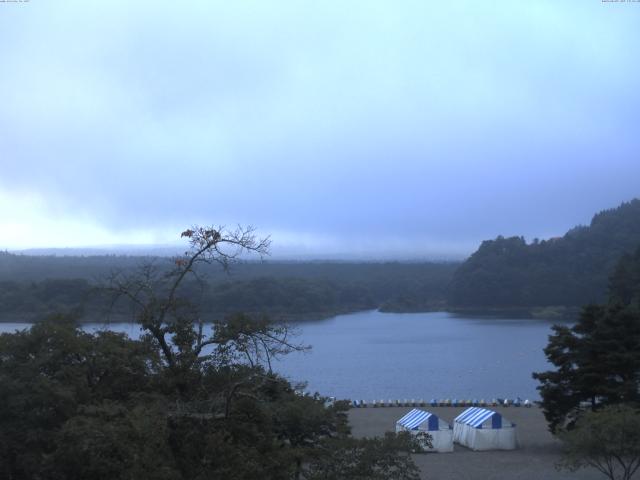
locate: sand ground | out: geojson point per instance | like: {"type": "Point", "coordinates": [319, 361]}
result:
{"type": "Point", "coordinates": [535, 458]}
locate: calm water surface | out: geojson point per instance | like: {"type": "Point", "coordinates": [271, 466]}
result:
{"type": "Point", "coordinates": [372, 355]}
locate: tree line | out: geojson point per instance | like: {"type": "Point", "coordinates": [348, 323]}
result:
{"type": "Point", "coordinates": [32, 287]}
{"type": "Point", "coordinates": [554, 276]}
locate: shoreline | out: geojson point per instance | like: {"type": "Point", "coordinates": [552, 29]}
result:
{"type": "Point", "coordinates": [560, 313]}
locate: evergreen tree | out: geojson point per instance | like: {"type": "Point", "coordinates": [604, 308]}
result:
{"type": "Point", "coordinates": [598, 359]}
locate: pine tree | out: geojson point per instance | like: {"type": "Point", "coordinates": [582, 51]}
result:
{"type": "Point", "coordinates": [598, 359]}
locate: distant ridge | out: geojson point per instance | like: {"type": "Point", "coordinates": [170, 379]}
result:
{"type": "Point", "coordinates": [571, 270]}
{"type": "Point", "coordinates": [278, 254]}
{"type": "Point", "coordinates": [130, 250]}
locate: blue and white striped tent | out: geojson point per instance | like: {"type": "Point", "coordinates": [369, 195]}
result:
{"type": "Point", "coordinates": [417, 421]}
{"type": "Point", "coordinates": [476, 416]}
{"type": "Point", "coordinates": [483, 429]}
{"type": "Point", "coordinates": [419, 418]}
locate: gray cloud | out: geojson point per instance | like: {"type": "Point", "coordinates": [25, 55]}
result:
{"type": "Point", "coordinates": [372, 124]}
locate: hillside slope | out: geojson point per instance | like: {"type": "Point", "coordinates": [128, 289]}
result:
{"type": "Point", "coordinates": [568, 271]}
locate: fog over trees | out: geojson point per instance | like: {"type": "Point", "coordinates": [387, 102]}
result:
{"type": "Point", "coordinates": [552, 277]}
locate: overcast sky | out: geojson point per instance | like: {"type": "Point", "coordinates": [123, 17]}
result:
{"type": "Point", "coordinates": [406, 128]}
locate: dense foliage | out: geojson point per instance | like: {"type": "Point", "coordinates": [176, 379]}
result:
{"type": "Point", "coordinates": [75, 405]}
{"type": "Point", "coordinates": [285, 289]}
{"type": "Point", "coordinates": [597, 360]}
{"type": "Point", "coordinates": [186, 401]}
{"type": "Point", "coordinates": [567, 271]}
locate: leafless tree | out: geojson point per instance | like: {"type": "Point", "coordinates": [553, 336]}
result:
{"type": "Point", "coordinates": [175, 322]}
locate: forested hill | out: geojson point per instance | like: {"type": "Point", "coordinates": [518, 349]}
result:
{"type": "Point", "coordinates": [567, 271]}
{"type": "Point", "coordinates": [34, 286]}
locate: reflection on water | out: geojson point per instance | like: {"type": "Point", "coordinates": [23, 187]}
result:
{"type": "Point", "coordinates": [372, 355]}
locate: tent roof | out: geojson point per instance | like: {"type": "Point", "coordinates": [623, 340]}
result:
{"type": "Point", "coordinates": [415, 418]}
{"type": "Point", "coordinates": [475, 416]}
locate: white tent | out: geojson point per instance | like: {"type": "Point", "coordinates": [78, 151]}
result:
{"type": "Point", "coordinates": [482, 429]}
{"type": "Point", "coordinates": [418, 421]}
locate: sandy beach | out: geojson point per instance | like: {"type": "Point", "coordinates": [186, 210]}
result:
{"type": "Point", "coordinates": [535, 458]}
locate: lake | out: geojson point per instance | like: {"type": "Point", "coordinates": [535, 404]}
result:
{"type": "Point", "coordinates": [373, 355]}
